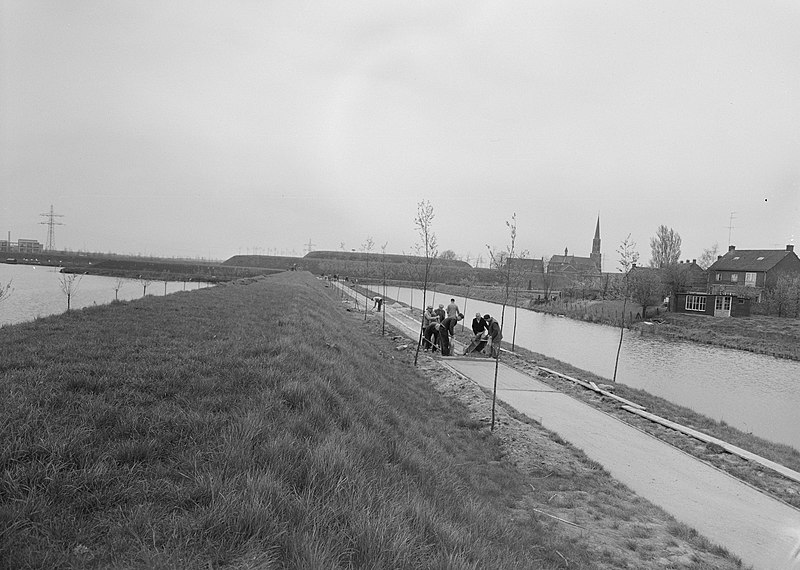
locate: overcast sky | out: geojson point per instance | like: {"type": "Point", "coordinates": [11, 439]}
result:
{"type": "Point", "coordinates": [213, 128]}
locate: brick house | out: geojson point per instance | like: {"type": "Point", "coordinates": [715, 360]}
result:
{"type": "Point", "coordinates": [749, 272]}
{"type": "Point", "coordinates": [717, 305]}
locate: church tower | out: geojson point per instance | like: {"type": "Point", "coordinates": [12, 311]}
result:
{"type": "Point", "coordinates": [596, 256]}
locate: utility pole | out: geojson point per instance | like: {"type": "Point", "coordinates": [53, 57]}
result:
{"type": "Point", "coordinates": [50, 223]}
{"type": "Point", "coordinates": [309, 245]}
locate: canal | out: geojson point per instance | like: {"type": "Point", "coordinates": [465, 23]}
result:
{"type": "Point", "coordinates": [755, 393]}
{"type": "Point", "coordinates": [37, 291]}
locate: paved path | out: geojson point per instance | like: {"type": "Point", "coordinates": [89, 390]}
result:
{"type": "Point", "coordinates": [760, 530]}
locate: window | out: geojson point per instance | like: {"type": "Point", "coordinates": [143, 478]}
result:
{"type": "Point", "coordinates": [760, 258]}
{"type": "Point", "coordinates": [719, 276]}
{"type": "Point", "coordinates": [722, 303]}
{"type": "Point", "coordinates": [749, 279]}
{"type": "Point", "coordinates": [696, 303]}
{"type": "Point", "coordinates": [734, 277]}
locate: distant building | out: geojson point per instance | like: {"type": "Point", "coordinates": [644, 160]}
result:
{"type": "Point", "coordinates": [573, 265]}
{"type": "Point", "coordinates": [29, 246]}
{"type": "Point", "coordinates": [21, 246]}
{"type": "Point", "coordinates": [717, 305]}
{"type": "Point", "coordinates": [749, 272]}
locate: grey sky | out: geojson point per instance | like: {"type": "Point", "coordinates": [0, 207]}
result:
{"type": "Point", "coordinates": [210, 128]}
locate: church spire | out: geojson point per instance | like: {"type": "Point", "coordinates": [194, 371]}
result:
{"type": "Point", "coordinates": [596, 255]}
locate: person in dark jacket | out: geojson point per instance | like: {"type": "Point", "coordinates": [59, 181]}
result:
{"type": "Point", "coordinates": [430, 339]}
{"type": "Point", "coordinates": [478, 324]}
{"type": "Point", "coordinates": [495, 334]}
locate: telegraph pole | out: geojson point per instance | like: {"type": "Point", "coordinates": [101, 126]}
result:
{"type": "Point", "coordinates": [51, 223]}
{"type": "Point", "coordinates": [309, 245]}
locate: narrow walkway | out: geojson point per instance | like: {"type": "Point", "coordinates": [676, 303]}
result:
{"type": "Point", "coordinates": [759, 529]}
{"type": "Point", "coordinates": [762, 531]}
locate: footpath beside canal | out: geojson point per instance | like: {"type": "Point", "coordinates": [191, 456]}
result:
{"type": "Point", "coordinates": [762, 530]}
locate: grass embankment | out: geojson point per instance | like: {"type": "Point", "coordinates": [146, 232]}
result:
{"type": "Point", "coordinates": [253, 425]}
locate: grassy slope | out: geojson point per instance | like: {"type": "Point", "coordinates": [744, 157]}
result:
{"type": "Point", "coordinates": [242, 426]}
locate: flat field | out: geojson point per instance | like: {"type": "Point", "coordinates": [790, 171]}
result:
{"type": "Point", "coordinates": [261, 424]}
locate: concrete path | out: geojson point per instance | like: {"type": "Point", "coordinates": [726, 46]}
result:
{"type": "Point", "coordinates": [762, 531]}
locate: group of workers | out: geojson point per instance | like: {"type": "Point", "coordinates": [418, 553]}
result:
{"type": "Point", "coordinates": [439, 325]}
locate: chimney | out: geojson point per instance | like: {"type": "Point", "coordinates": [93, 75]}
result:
{"type": "Point", "coordinates": [731, 247]}
{"type": "Point", "coordinates": [789, 247]}
{"type": "Point", "coordinates": [694, 261]}
{"type": "Point", "coordinates": [719, 257]}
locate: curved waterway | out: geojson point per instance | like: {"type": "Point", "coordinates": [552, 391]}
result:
{"type": "Point", "coordinates": [755, 393]}
{"type": "Point", "coordinates": [37, 291]}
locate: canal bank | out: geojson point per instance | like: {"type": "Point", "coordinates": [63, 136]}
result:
{"type": "Point", "coordinates": [762, 529]}
{"type": "Point", "coordinates": [756, 394]}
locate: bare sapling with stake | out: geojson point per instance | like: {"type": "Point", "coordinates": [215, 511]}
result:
{"type": "Point", "coordinates": [366, 248]}
{"type": "Point", "coordinates": [424, 225]}
{"type": "Point", "coordinates": [69, 286]}
{"type": "Point", "coordinates": [627, 261]}
{"type": "Point", "coordinates": [502, 260]}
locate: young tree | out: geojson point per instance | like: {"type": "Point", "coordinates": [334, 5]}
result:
{"type": "Point", "coordinates": [383, 273]}
{"type": "Point", "coordinates": [366, 247]}
{"type": "Point", "coordinates": [145, 282]}
{"type": "Point", "coordinates": [69, 286]}
{"type": "Point", "coordinates": [509, 257]}
{"type": "Point", "coordinates": [5, 291]}
{"type": "Point", "coordinates": [448, 254]}
{"type": "Point", "coordinates": [784, 294]}
{"type": "Point", "coordinates": [118, 285]}
{"type": "Point", "coordinates": [645, 288]}
{"type": "Point", "coordinates": [424, 224]}
{"type": "Point", "coordinates": [665, 247]}
{"type": "Point", "coordinates": [708, 257]}
{"type": "Point", "coordinates": [628, 256]}
{"type": "Point", "coordinates": [547, 279]}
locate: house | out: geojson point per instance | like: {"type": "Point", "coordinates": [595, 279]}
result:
{"type": "Point", "coordinates": [749, 272]}
{"type": "Point", "coordinates": [523, 266]}
{"type": "Point", "coordinates": [717, 305]}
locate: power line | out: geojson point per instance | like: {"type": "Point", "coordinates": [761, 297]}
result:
{"type": "Point", "coordinates": [51, 223]}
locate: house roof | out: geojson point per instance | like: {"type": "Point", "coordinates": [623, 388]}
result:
{"type": "Point", "coordinates": [524, 264]}
{"type": "Point", "coordinates": [750, 260]}
{"type": "Point", "coordinates": [563, 262]}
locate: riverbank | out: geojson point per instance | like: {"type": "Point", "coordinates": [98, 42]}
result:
{"type": "Point", "coordinates": [771, 482]}
{"type": "Point", "coordinates": [232, 427]}
{"type": "Point", "coordinates": [774, 336]}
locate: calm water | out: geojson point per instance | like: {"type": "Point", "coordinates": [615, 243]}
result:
{"type": "Point", "coordinates": [37, 292]}
{"type": "Point", "coordinates": [753, 392]}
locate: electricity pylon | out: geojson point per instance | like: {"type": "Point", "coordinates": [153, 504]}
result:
{"type": "Point", "coordinates": [50, 223]}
